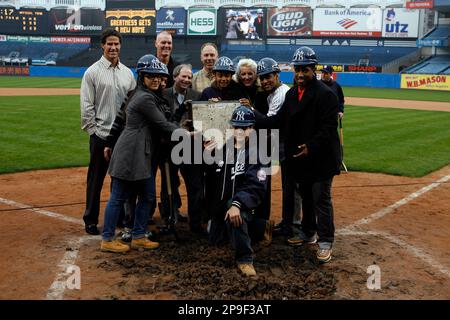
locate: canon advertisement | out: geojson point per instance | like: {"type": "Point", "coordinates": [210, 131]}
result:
{"type": "Point", "coordinates": [289, 22]}
{"type": "Point", "coordinates": [400, 23]}
{"type": "Point", "coordinates": [81, 21]}
{"type": "Point", "coordinates": [353, 22]}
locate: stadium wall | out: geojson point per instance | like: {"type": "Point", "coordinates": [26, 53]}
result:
{"type": "Point", "coordinates": [372, 80]}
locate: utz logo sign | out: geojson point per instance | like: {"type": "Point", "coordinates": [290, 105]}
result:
{"type": "Point", "coordinates": [400, 23]}
{"type": "Point", "coordinates": [289, 21]}
{"type": "Point", "coordinates": [202, 21]}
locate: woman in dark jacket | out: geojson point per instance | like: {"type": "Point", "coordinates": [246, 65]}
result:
{"type": "Point", "coordinates": [247, 79]}
{"type": "Point", "coordinates": [130, 166]}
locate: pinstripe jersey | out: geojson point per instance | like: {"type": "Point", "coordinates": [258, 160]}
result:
{"type": "Point", "coordinates": [103, 89]}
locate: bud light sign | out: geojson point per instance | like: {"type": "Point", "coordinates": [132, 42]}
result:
{"type": "Point", "coordinates": [289, 22]}
{"type": "Point", "coordinates": [202, 21]}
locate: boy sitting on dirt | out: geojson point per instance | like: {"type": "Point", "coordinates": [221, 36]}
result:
{"type": "Point", "coordinates": [235, 187]}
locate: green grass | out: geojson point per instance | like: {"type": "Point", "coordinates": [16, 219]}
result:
{"type": "Point", "coordinates": [44, 132]}
{"type": "Point", "coordinates": [396, 141]}
{"type": "Point", "coordinates": [39, 82]}
{"type": "Point", "coordinates": [40, 133]}
{"type": "Point", "coordinates": [401, 94]}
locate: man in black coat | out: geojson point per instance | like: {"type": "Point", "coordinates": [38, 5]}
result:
{"type": "Point", "coordinates": [327, 73]}
{"type": "Point", "coordinates": [308, 124]}
{"type": "Point", "coordinates": [177, 96]}
{"type": "Point", "coordinates": [164, 47]}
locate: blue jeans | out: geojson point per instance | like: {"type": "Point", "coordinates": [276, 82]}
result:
{"type": "Point", "coordinates": [221, 231]}
{"type": "Point", "coordinates": [120, 192]}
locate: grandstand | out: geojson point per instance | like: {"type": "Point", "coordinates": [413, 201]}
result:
{"type": "Point", "coordinates": [395, 42]}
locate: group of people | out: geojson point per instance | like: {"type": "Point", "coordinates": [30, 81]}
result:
{"type": "Point", "coordinates": [242, 25]}
{"type": "Point", "coordinates": [130, 123]}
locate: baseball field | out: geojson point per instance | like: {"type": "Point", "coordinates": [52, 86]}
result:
{"type": "Point", "coordinates": [392, 211]}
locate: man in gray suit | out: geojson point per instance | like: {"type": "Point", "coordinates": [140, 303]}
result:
{"type": "Point", "coordinates": [177, 96]}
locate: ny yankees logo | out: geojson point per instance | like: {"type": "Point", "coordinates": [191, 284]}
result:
{"type": "Point", "coordinates": [240, 116]}
{"type": "Point", "coordinates": [155, 64]}
{"type": "Point", "coordinates": [261, 66]}
{"type": "Point", "coordinates": [226, 62]}
{"type": "Point", "coordinates": [298, 55]}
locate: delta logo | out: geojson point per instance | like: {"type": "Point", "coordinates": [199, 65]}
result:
{"type": "Point", "coordinates": [347, 23]}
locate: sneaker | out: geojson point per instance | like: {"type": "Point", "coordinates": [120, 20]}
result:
{"type": "Point", "coordinates": [114, 246]}
{"type": "Point", "coordinates": [144, 243]}
{"type": "Point", "coordinates": [301, 238]}
{"type": "Point", "coordinates": [126, 235]}
{"type": "Point", "coordinates": [324, 252]}
{"type": "Point", "coordinates": [247, 269]}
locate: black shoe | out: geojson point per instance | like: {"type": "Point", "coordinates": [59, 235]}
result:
{"type": "Point", "coordinates": [92, 229]}
{"type": "Point", "coordinates": [199, 231]}
{"type": "Point", "coordinates": [181, 217]}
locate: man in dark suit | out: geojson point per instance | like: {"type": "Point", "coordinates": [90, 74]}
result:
{"type": "Point", "coordinates": [177, 96]}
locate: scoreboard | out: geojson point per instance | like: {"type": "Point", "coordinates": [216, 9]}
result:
{"type": "Point", "coordinates": [23, 21]}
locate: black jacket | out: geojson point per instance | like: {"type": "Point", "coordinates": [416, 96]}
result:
{"type": "Point", "coordinates": [312, 121]}
{"type": "Point", "coordinates": [337, 89]}
{"type": "Point", "coordinates": [232, 92]}
{"type": "Point", "coordinates": [235, 180]}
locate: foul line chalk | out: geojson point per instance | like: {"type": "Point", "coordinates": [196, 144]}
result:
{"type": "Point", "coordinates": [413, 250]}
{"type": "Point", "coordinates": [41, 212]}
{"type": "Point", "coordinates": [58, 287]}
{"type": "Point", "coordinates": [381, 213]}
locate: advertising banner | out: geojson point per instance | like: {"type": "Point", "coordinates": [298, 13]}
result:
{"type": "Point", "coordinates": [400, 23]}
{"type": "Point", "coordinates": [425, 82]}
{"type": "Point", "coordinates": [132, 21]}
{"type": "Point", "coordinates": [23, 21]}
{"type": "Point", "coordinates": [69, 40]}
{"type": "Point", "coordinates": [289, 22]}
{"type": "Point", "coordinates": [14, 71]}
{"type": "Point", "coordinates": [351, 68]}
{"type": "Point", "coordinates": [419, 4]}
{"type": "Point", "coordinates": [80, 21]}
{"type": "Point", "coordinates": [336, 67]}
{"type": "Point", "coordinates": [353, 22]}
{"type": "Point", "coordinates": [248, 24]}
{"type": "Point", "coordinates": [172, 20]}
{"type": "Point", "coordinates": [432, 43]}
{"type": "Point", "coordinates": [202, 22]}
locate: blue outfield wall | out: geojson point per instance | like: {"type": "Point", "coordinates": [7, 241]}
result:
{"type": "Point", "coordinates": [373, 80]}
{"type": "Point", "coordinates": [69, 72]}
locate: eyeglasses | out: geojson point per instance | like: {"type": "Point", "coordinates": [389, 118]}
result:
{"type": "Point", "coordinates": [304, 69]}
{"type": "Point", "coordinates": [152, 76]}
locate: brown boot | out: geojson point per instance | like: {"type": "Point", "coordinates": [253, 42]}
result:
{"type": "Point", "coordinates": [113, 246]}
{"type": "Point", "coordinates": [247, 269]}
{"type": "Point", "coordinates": [144, 243]}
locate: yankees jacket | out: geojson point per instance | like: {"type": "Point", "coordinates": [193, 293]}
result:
{"type": "Point", "coordinates": [235, 180]}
